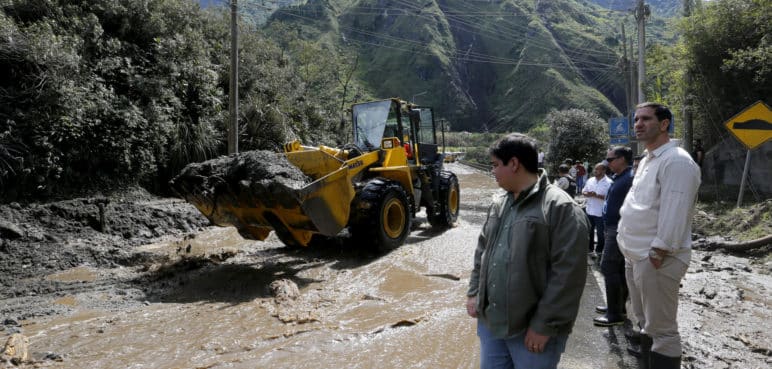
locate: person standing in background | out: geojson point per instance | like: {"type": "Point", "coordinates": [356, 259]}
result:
{"type": "Point", "coordinates": [564, 181]}
{"type": "Point", "coordinates": [655, 234]}
{"type": "Point", "coordinates": [581, 174]}
{"type": "Point", "coordinates": [571, 168]}
{"type": "Point", "coordinates": [612, 263]}
{"type": "Point", "coordinates": [595, 192]}
{"type": "Point", "coordinates": [698, 154]}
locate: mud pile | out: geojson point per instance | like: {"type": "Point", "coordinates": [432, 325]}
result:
{"type": "Point", "coordinates": [37, 240]}
{"type": "Point", "coordinates": [218, 186]}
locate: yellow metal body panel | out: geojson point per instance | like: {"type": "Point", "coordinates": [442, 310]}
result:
{"type": "Point", "coordinates": [323, 206]}
{"type": "Point", "coordinates": [395, 164]}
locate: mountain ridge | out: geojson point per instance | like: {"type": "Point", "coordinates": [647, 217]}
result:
{"type": "Point", "coordinates": [495, 65]}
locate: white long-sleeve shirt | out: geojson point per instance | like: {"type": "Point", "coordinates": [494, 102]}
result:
{"type": "Point", "coordinates": [658, 210]}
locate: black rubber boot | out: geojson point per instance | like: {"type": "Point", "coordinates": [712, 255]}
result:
{"type": "Point", "coordinates": [601, 309]}
{"type": "Point", "coordinates": [659, 361]}
{"type": "Point", "coordinates": [633, 335]}
{"type": "Point", "coordinates": [645, 359]}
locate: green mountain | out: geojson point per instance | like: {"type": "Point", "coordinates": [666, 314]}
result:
{"type": "Point", "coordinates": [485, 65]}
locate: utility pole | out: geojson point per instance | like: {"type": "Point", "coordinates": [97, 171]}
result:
{"type": "Point", "coordinates": [641, 12]}
{"type": "Point", "coordinates": [628, 91]}
{"type": "Point", "coordinates": [633, 99]}
{"type": "Point", "coordinates": [233, 127]}
{"type": "Point", "coordinates": [633, 79]}
{"type": "Point", "coordinates": [688, 125]}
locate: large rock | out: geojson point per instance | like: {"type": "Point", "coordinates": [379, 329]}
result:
{"type": "Point", "coordinates": [238, 181]}
{"type": "Point", "coordinates": [16, 349]}
{"type": "Point", "coordinates": [10, 230]}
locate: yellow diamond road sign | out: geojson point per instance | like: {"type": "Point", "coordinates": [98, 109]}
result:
{"type": "Point", "coordinates": [753, 126]}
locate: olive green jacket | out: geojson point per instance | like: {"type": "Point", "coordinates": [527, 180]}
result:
{"type": "Point", "coordinates": [547, 266]}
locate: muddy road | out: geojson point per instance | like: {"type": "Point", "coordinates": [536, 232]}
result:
{"type": "Point", "coordinates": [210, 299]}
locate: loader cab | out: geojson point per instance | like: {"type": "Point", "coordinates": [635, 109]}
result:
{"type": "Point", "coordinates": [412, 125]}
{"type": "Point", "coordinates": [374, 121]}
{"type": "Point", "coordinates": [425, 134]}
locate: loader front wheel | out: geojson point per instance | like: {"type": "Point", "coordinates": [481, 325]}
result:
{"type": "Point", "coordinates": [446, 212]}
{"type": "Point", "coordinates": [382, 214]}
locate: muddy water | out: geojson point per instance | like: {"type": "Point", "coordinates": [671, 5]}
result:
{"type": "Point", "coordinates": [402, 309]}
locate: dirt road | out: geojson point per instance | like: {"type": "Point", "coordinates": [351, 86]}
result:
{"type": "Point", "coordinates": [214, 300]}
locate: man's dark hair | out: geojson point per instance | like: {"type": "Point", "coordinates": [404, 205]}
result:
{"type": "Point", "coordinates": [563, 169]}
{"type": "Point", "coordinates": [625, 152]}
{"type": "Point", "coordinates": [661, 111]}
{"type": "Point", "coordinates": [517, 145]}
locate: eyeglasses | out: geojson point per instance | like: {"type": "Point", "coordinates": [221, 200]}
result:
{"type": "Point", "coordinates": [612, 159]}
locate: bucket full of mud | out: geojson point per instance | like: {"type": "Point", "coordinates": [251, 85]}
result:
{"type": "Point", "coordinates": [297, 194]}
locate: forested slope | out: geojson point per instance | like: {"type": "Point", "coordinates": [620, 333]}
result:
{"type": "Point", "coordinates": [498, 65]}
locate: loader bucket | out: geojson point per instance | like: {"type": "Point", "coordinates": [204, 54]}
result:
{"type": "Point", "coordinates": [295, 210]}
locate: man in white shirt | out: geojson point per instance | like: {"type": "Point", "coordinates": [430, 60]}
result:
{"type": "Point", "coordinates": [655, 234]}
{"type": "Point", "coordinates": [595, 191]}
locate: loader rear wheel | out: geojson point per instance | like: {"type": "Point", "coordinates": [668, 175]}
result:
{"type": "Point", "coordinates": [382, 214]}
{"type": "Point", "coordinates": [446, 212]}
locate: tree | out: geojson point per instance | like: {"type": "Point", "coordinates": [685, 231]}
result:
{"type": "Point", "coordinates": [729, 50]}
{"type": "Point", "coordinates": [105, 93]}
{"type": "Point", "coordinates": [575, 134]}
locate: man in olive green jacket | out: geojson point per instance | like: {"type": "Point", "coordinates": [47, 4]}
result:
{"type": "Point", "coordinates": [529, 266]}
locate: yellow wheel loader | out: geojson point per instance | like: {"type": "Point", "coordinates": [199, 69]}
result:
{"type": "Point", "coordinates": [374, 186]}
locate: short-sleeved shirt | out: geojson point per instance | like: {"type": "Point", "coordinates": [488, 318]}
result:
{"type": "Point", "coordinates": [600, 187]}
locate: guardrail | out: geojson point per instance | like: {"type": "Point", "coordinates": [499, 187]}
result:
{"type": "Point", "coordinates": [482, 167]}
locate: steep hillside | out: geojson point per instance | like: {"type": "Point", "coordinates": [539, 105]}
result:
{"type": "Point", "coordinates": [485, 65]}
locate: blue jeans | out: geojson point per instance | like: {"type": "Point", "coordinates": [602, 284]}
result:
{"type": "Point", "coordinates": [511, 353]}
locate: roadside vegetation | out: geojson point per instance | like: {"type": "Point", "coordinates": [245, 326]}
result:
{"type": "Point", "coordinates": [106, 93]}
{"type": "Point", "coordinates": [724, 219]}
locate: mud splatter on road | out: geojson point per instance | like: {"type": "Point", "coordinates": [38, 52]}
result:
{"type": "Point", "coordinates": [157, 288]}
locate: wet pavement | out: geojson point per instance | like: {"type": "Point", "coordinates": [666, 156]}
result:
{"type": "Point", "coordinates": [356, 309]}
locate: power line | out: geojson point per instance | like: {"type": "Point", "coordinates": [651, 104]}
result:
{"type": "Point", "coordinates": [467, 56]}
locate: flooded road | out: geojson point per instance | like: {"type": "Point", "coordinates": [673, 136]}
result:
{"type": "Point", "coordinates": [212, 307]}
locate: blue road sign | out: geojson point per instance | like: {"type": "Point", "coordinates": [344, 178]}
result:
{"type": "Point", "coordinates": [618, 127]}
{"type": "Point", "coordinates": [619, 141]}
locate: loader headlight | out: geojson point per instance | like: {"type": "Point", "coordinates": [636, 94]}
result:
{"type": "Point", "coordinates": [387, 144]}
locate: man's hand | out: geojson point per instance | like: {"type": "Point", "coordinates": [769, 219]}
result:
{"type": "Point", "coordinates": [471, 306]}
{"type": "Point", "coordinates": [535, 342]}
{"type": "Point", "coordinates": [656, 257]}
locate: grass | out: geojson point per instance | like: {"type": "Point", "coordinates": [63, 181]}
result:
{"type": "Point", "coordinates": [724, 219]}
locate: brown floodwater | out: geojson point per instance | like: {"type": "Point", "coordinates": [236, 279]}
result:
{"type": "Point", "coordinates": [204, 302]}
{"type": "Point", "coordinates": [403, 309]}
{"type": "Point", "coordinates": [400, 309]}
